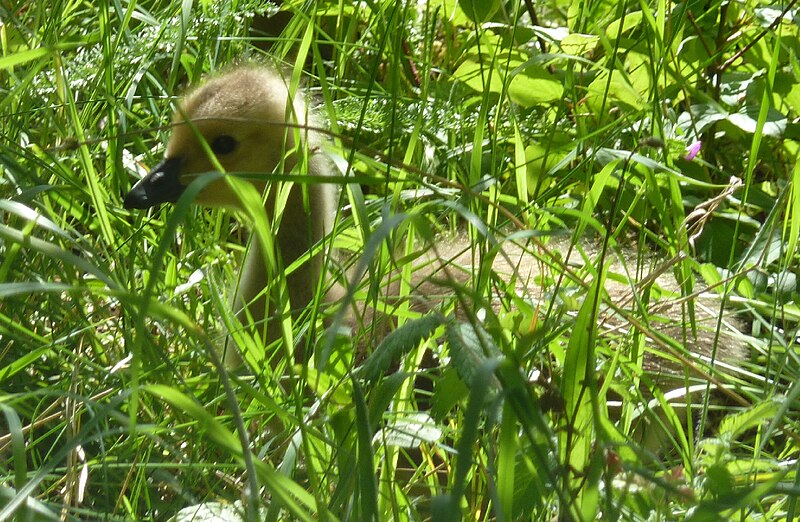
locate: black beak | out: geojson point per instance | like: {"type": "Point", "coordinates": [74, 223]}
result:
{"type": "Point", "coordinates": [161, 185]}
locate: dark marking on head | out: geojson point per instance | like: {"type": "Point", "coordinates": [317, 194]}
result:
{"type": "Point", "coordinates": [161, 185]}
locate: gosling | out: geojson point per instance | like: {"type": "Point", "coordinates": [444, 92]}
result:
{"type": "Point", "coordinates": [252, 124]}
{"type": "Point", "coordinates": [249, 121]}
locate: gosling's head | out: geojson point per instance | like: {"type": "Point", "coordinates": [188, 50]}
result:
{"type": "Point", "coordinates": [242, 117]}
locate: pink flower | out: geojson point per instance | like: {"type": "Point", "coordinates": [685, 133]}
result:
{"type": "Point", "coordinates": [693, 150]}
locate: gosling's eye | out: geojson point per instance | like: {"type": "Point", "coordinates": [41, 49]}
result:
{"type": "Point", "coordinates": [224, 145]}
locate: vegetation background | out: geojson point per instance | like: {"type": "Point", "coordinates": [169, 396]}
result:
{"type": "Point", "coordinates": [522, 122]}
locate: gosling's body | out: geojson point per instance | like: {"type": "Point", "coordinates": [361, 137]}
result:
{"type": "Point", "coordinates": [622, 308]}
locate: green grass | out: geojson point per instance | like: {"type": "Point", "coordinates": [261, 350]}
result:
{"type": "Point", "coordinates": [114, 407]}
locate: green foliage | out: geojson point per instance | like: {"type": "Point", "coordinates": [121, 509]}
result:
{"type": "Point", "coordinates": [397, 344]}
{"type": "Point", "coordinates": [506, 123]}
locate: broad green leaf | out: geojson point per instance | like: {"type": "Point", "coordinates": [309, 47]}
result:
{"type": "Point", "coordinates": [534, 86]}
{"type": "Point", "coordinates": [448, 391]}
{"type": "Point", "coordinates": [476, 75]}
{"type": "Point", "coordinates": [623, 25]}
{"type": "Point", "coordinates": [479, 11]}
{"type": "Point", "coordinates": [541, 159]}
{"type": "Point", "coordinates": [410, 430]}
{"type": "Point", "coordinates": [747, 120]}
{"type": "Point", "coordinates": [578, 44]}
{"type": "Point", "coordinates": [617, 90]}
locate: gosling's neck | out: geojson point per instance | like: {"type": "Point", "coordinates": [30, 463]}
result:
{"type": "Point", "coordinates": [302, 225]}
